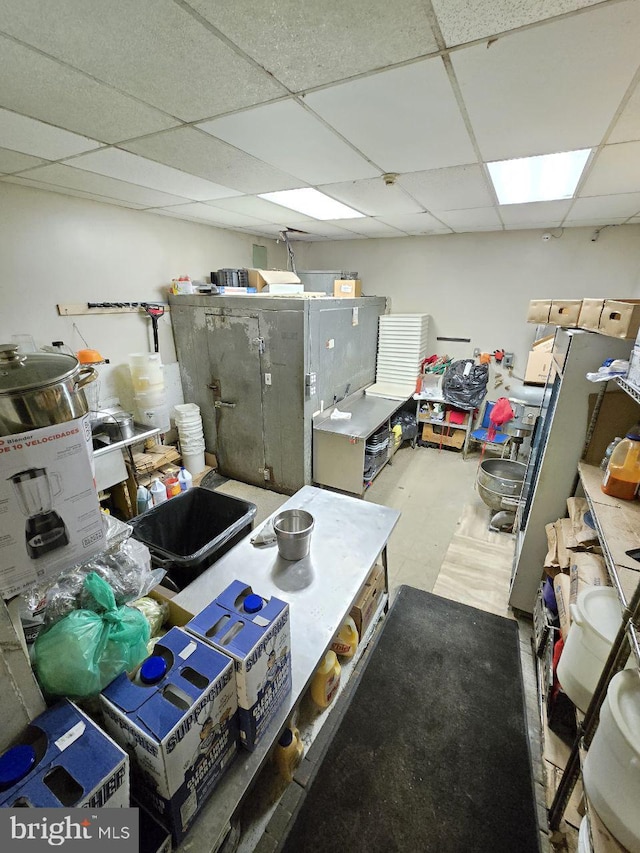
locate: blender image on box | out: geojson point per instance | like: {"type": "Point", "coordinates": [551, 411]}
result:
{"type": "Point", "coordinates": [45, 530]}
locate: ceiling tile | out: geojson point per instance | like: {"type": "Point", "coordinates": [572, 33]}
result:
{"type": "Point", "coordinates": [457, 188]}
{"type": "Point", "coordinates": [465, 20]}
{"type": "Point", "coordinates": [216, 215]}
{"type": "Point", "coordinates": [606, 206]}
{"type": "Point", "coordinates": [416, 223]}
{"type": "Point", "coordinates": [200, 154]}
{"type": "Point", "coordinates": [65, 176]}
{"type": "Point", "coordinates": [115, 163]}
{"type": "Point", "coordinates": [593, 222]}
{"type": "Point", "coordinates": [292, 139]}
{"type": "Point", "coordinates": [627, 127]}
{"type": "Point", "coordinates": [13, 161]}
{"type": "Point", "coordinates": [545, 214]}
{"type": "Point", "coordinates": [155, 51]}
{"type": "Point", "coordinates": [29, 136]}
{"type": "Point", "coordinates": [616, 170]}
{"type": "Point", "coordinates": [260, 208]}
{"type": "Point", "coordinates": [320, 229]}
{"type": "Point", "coordinates": [551, 88]}
{"type": "Point", "coordinates": [26, 182]}
{"type": "Point", "coordinates": [405, 120]}
{"type": "Point", "coordinates": [370, 227]}
{"type": "Point", "coordinates": [373, 197]}
{"type": "Point", "coordinates": [43, 88]}
{"type": "Point", "coordinates": [309, 44]}
{"type": "Point", "coordinates": [476, 219]}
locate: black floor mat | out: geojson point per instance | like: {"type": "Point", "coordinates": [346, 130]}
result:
{"type": "Point", "coordinates": [432, 753]}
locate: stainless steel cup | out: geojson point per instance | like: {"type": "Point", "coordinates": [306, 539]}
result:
{"type": "Point", "coordinates": [293, 528]}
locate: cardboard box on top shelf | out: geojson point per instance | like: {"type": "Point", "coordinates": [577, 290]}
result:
{"type": "Point", "coordinates": [565, 312]}
{"type": "Point", "coordinates": [543, 344]}
{"type": "Point", "coordinates": [347, 288]}
{"type": "Point", "coordinates": [620, 318]}
{"type": "Point", "coordinates": [590, 314]}
{"type": "Point", "coordinates": [261, 278]}
{"type": "Point", "coordinates": [538, 311]}
{"type": "Point", "coordinates": [538, 367]}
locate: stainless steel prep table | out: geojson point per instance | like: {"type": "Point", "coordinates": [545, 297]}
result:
{"type": "Point", "coordinates": [339, 445]}
{"type": "Point", "coordinates": [348, 538]}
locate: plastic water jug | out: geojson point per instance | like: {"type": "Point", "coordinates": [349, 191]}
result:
{"type": "Point", "coordinates": [326, 681]}
{"type": "Point", "coordinates": [346, 640]}
{"type": "Point", "coordinates": [158, 492]}
{"type": "Point", "coordinates": [185, 479]}
{"type": "Point", "coordinates": [623, 471]}
{"type": "Point", "coordinates": [144, 500]}
{"type": "Point", "coordinates": [288, 753]}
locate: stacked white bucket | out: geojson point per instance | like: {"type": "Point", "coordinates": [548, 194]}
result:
{"type": "Point", "coordinates": [189, 425]}
{"type": "Point", "coordinates": [149, 392]}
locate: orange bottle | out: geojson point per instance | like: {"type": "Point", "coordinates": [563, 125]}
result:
{"type": "Point", "coordinates": [325, 682]}
{"type": "Point", "coordinates": [622, 476]}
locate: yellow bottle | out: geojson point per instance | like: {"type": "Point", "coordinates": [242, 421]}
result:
{"type": "Point", "coordinates": [288, 753]}
{"type": "Point", "coordinates": [326, 681]}
{"type": "Point", "coordinates": [346, 640]}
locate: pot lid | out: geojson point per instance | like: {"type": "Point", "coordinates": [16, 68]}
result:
{"type": "Point", "coordinates": [25, 371]}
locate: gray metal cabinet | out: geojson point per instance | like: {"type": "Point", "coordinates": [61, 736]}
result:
{"type": "Point", "coordinates": [259, 367]}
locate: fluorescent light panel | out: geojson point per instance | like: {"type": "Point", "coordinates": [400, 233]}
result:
{"type": "Point", "coordinates": [544, 178]}
{"type": "Point", "coordinates": [312, 203]}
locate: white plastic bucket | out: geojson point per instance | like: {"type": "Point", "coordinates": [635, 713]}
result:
{"type": "Point", "coordinates": [596, 619]}
{"type": "Point", "coordinates": [152, 397]}
{"type": "Point", "coordinates": [146, 371]}
{"type": "Point", "coordinates": [155, 416]}
{"type": "Point", "coordinates": [187, 412]}
{"type": "Point", "coordinates": [612, 766]}
{"type": "Point", "coordinates": [194, 462]}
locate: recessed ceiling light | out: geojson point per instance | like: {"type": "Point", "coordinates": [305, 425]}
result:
{"type": "Point", "coordinates": [544, 178]}
{"type": "Point", "coordinates": [312, 203]}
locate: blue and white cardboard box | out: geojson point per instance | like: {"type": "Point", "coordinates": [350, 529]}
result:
{"type": "Point", "coordinates": [256, 633]}
{"type": "Point", "coordinates": [64, 759]}
{"type": "Point", "coordinates": [180, 727]}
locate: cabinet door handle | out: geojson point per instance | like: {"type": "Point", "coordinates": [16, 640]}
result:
{"type": "Point", "coordinates": [220, 404]}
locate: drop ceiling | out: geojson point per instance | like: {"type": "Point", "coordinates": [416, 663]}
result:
{"type": "Point", "coordinates": [193, 109]}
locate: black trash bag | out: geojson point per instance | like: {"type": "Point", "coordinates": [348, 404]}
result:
{"type": "Point", "coordinates": [465, 383]}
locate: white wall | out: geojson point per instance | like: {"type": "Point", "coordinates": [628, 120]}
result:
{"type": "Point", "coordinates": [59, 249]}
{"type": "Point", "coordinates": [478, 285]}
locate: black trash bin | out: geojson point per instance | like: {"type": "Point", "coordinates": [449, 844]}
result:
{"type": "Point", "coordinates": [189, 532]}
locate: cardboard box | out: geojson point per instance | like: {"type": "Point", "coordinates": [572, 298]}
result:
{"type": "Point", "coordinates": [261, 278]}
{"type": "Point", "coordinates": [590, 314]}
{"type": "Point", "coordinates": [180, 729]}
{"type": "Point", "coordinates": [538, 367]}
{"type": "Point", "coordinates": [259, 642]}
{"type": "Point", "coordinates": [565, 312]}
{"type": "Point", "coordinates": [347, 289]}
{"type": "Point", "coordinates": [77, 764]}
{"type": "Point", "coordinates": [369, 599]}
{"type": "Point", "coordinates": [283, 289]}
{"type": "Point", "coordinates": [539, 310]}
{"type": "Point", "coordinates": [445, 436]}
{"type": "Point", "coordinates": [154, 838]}
{"type": "Point", "coordinates": [620, 319]}
{"type": "Point", "coordinates": [543, 344]}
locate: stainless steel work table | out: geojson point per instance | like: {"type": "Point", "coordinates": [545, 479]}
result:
{"type": "Point", "coordinates": [339, 445]}
{"type": "Point", "coordinates": [348, 537]}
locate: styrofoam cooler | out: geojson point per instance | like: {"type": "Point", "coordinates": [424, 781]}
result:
{"type": "Point", "coordinates": [612, 767]}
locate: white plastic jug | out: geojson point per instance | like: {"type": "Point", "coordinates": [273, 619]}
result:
{"type": "Point", "coordinates": [158, 492]}
{"type": "Point", "coordinates": [595, 620]}
{"type": "Point", "coordinates": [144, 499]}
{"type": "Point", "coordinates": [185, 479]}
{"type": "Point", "coordinates": [612, 767]}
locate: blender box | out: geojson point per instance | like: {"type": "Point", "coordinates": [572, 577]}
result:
{"type": "Point", "coordinates": [176, 717]}
{"type": "Point", "coordinates": [64, 759]}
{"type": "Point", "coordinates": [49, 510]}
{"type": "Point", "coordinates": [255, 632]}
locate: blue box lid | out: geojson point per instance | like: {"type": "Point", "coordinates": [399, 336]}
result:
{"type": "Point", "coordinates": [193, 667]}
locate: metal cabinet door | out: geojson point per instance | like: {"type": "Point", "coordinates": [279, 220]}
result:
{"type": "Point", "coordinates": [235, 349]}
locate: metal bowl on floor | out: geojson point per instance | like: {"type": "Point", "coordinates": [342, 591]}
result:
{"type": "Point", "coordinates": [499, 483]}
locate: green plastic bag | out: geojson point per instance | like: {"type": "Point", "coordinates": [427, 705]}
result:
{"type": "Point", "coordinates": [87, 649]}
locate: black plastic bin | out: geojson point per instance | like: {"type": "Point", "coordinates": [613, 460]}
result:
{"type": "Point", "coordinates": [189, 532]}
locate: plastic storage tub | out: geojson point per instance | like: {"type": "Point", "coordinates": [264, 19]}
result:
{"type": "Point", "coordinates": [191, 531]}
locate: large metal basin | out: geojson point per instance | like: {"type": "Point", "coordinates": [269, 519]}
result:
{"type": "Point", "coordinates": [499, 483]}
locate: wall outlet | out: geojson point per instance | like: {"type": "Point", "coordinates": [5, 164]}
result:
{"type": "Point", "coordinates": [267, 379]}
{"type": "Point", "coordinates": [507, 361]}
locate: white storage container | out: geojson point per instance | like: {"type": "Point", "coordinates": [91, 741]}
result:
{"type": "Point", "coordinates": [612, 768]}
{"type": "Point", "coordinates": [584, 837]}
{"type": "Point", "coordinates": [596, 618]}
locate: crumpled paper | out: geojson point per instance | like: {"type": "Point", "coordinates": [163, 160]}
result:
{"type": "Point", "coordinates": [265, 536]}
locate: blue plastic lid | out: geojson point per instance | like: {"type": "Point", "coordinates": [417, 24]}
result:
{"type": "Point", "coordinates": [252, 603]}
{"type": "Point", "coordinates": [153, 669]}
{"type": "Point", "coordinates": [15, 764]}
{"type": "Point", "coordinates": [286, 737]}
{"type": "Point", "coordinates": [634, 433]}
